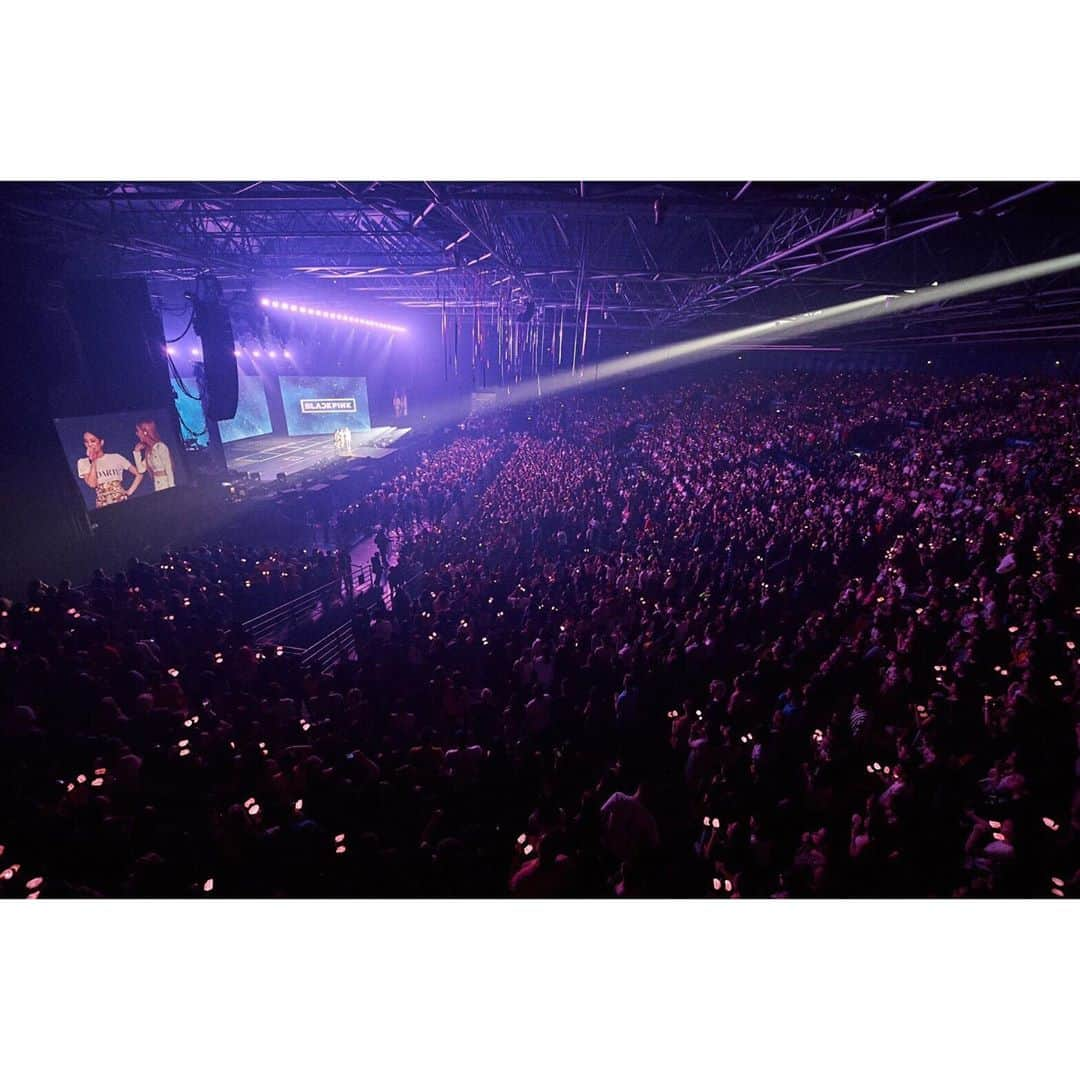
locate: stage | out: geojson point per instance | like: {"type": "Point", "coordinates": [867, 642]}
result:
{"type": "Point", "coordinates": [269, 455]}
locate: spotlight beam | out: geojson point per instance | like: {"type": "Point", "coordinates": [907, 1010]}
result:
{"type": "Point", "coordinates": [782, 329]}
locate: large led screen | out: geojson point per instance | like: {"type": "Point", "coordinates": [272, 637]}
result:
{"type": "Point", "coordinates": [122, 456]}
{"type": "Point", "coordinates": [252, 413]}
{"type": "Point", "coordinates": [320, 404]}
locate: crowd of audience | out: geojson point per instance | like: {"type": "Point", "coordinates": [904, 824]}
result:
{"type": "Point", "coordinates": [440, 484]}
{"type": "Point", "coordinates": [779, 635]}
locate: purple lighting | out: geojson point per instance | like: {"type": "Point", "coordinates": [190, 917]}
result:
{"type": "Point", "coordinates": [334, 316]}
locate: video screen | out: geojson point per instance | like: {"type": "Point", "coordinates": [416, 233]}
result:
{"type": "Point", "coordinates": [122, 456]}
{"type": "Point", "coordinates": [320, 404]}
{"type": "Point", "coordinates": [189, 409]}
{"type": "Point", "coordinates": [252, 413]}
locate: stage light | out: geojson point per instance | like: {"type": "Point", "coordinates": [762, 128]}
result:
{"type": "Point", "coordinates": [774, 331]}
{"type": "Point", "coordinates": [265, 302]}
{"type": "Point", "coordinates": [272, 354]}
{"type": "Point", "coordinates": [257, 354]}
{"type": "Point", "coordinates": [336, 316]}
{"type": "Point", "coordinates": [170, 350]}
{"type": "Point", "coordinates": [288, 355]}
{"type": "Point", "coordinates": [194, 352]}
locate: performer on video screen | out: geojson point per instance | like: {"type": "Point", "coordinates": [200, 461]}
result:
{"type": "Point", "coordinates": [151, 453]}
{"type": "Point", "coordinates": [105, 472]}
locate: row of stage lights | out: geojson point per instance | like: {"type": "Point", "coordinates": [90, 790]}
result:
{"type": "Point", "coordinates": [334, 316]}
{"type": "Point", "coordinates": [257, 353]}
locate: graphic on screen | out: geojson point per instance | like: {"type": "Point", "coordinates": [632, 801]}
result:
{"type": "Point", "coordinates": [122, 456]}
{"type": "Point", "coordinates": [252, 413]}
{"type": "Point", "coordinates": [320, 404]}
{"type": "Point", "coordinates": [190, 410]}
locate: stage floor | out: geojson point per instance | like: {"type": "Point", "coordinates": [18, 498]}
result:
{"type": "Point", "coordinates": [269, 455]}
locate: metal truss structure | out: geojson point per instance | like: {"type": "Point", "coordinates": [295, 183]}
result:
{"type": "Point", "coordinates": [653, 258]}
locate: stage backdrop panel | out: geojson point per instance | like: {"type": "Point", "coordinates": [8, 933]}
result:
{"type": "Point", "coordinates": [320, 404]}
{"type": "Point", "coordinates": [135, 455]}
{"type": "Point", "coordinates": [252, 413]}
{"type": "Point", "coordinates": [189, 408]}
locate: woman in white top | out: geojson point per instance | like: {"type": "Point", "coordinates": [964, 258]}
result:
{"type": "Point", "coordinates": [151, 453]}
{"type": "Point", "coordinates": [104, 472]}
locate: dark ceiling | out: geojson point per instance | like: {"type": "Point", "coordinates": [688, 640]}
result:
{"type": "Point", "coordinates": [654, 257]}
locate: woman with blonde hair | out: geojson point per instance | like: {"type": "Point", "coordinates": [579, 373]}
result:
{"type": "Point", "coordinates": [151, 453]}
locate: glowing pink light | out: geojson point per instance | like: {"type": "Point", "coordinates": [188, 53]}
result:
{"type": "Point", "coordinates": [265, 302]}
{"type": "Point", "coordinates": [272, 354]}
{"type": "Point", "coordinates": [257, 354]}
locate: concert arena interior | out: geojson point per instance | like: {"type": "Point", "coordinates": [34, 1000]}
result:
{"type": "Point", "coordinates": [539, 540]}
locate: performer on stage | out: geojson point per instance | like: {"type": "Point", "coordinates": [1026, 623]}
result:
{"type": "Point", "coordinates": [151, 453]}
{"type": "Point", "coordinates": [104, 472]}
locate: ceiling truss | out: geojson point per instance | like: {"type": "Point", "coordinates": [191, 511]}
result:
{"type": "Point", "coordinates": [649, 256]}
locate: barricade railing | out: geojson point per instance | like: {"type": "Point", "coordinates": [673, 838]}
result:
{"type": "Point", "coordinates": [339, 642]}
{"type": "Point", "coordinates": [277, 622]}
{"type": "Point", "coordinates": [324, 652]}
